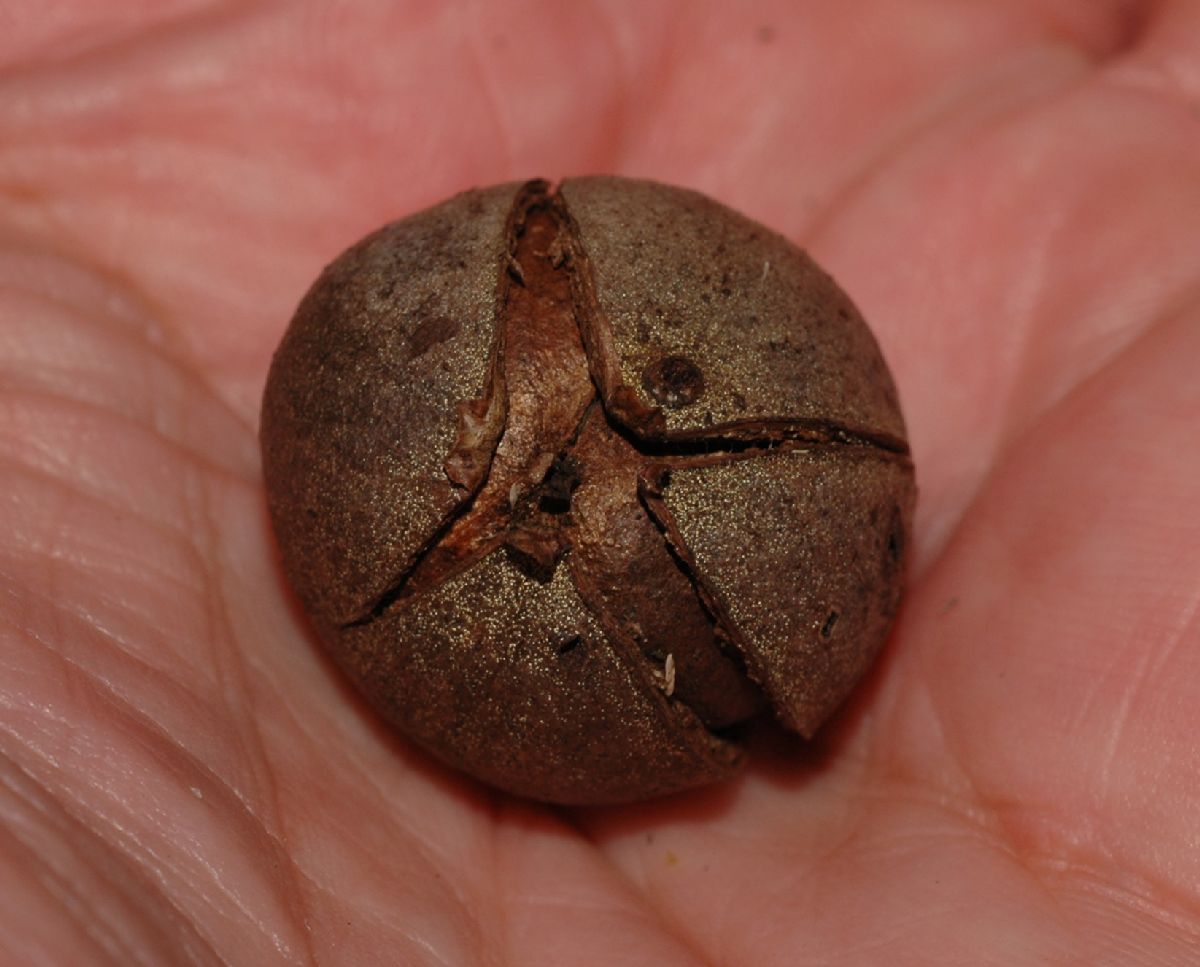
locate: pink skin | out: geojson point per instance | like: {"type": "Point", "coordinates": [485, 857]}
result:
{"type": "Point", "coordinates": [1009, 189]}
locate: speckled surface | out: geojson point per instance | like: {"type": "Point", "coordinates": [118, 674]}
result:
{"type": "Point", "coordinates": [771, 332]}
{"type": "Point", "coordinates": [569, 482]}
{"type": "Point", "coordinates": [804, 551]}
{"type": "Point", "coordinates": [361, 400]}
{"type": "Point", "coordinates": [542, 702]}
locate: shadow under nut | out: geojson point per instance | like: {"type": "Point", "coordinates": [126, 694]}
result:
{"type": "Point", "coordinates": [570, 482]}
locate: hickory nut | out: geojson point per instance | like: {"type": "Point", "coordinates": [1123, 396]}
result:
{"type": "Point", "coordinates": [571, 481]}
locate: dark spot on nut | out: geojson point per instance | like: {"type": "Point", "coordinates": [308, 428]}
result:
{"type": "Point", "coordinates": [674, 382]}
{"type": "Point", "coordinates": [565, 644]}
{"type": "Point", "coordinates": [559, 483]}
{"type": "Point", "coordinates": [895, 541]}
{"type": "Point", "coordinates": [827, 627]}
{"type": "Point", "coordinates": [429, 333]}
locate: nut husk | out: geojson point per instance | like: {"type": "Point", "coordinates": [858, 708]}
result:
{"type": "Point", "coordinates": [570, 482]}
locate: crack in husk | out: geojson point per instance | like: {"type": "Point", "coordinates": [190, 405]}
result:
{"type": "Point", "coordinates": [650, 496]}
{"type": "Point", "coordinates": [481, 431]}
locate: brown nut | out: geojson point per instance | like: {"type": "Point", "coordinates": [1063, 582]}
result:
{"type": "Point", "coordinates": [571, 481]}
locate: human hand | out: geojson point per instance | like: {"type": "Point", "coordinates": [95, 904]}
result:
{"type": "Point", "coordinates": [1009, 192]}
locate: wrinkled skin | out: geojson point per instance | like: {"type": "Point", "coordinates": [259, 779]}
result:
{"type": "Point", "coordinates": [1007, 189]}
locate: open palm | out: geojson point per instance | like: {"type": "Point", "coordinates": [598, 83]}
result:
{"type": "Point", "coordinates": [1009, 190]}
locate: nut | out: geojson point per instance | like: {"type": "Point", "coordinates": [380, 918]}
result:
{"type": "Point", "coordinates": [572, 481]}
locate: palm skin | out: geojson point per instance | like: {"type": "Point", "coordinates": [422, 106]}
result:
{"type": "Point", "coordinates": [1009, 190]}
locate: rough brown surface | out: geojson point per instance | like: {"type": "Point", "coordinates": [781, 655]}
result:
{"type": "Point", "coordinates": [569, 480]}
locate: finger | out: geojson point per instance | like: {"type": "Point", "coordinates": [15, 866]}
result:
{"type": "Point", "coordinates": [1060, 641]}
{"type": "Point", "coordinates": [1163, 55]}
{"type": "Point", "coordinates": [1010, 252]}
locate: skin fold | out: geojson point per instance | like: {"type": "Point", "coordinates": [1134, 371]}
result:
{"type": "Point", "coordinates": [1008, 191]}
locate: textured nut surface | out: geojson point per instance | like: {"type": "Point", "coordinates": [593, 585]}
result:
{"type": "Point", "coordinates": [569, 482]}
